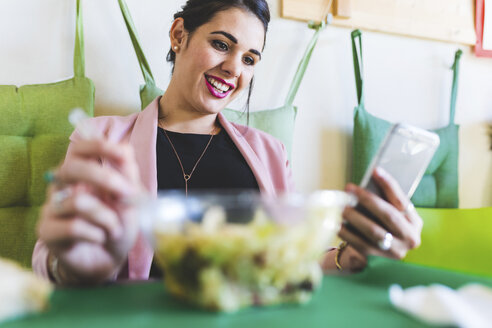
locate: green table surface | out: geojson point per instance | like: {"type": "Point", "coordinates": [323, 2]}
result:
{"type": "Point", "coordinates": [357, 300]}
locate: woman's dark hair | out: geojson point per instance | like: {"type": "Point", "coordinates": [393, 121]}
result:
{"type": "Point", "coordinates": [195, 13]}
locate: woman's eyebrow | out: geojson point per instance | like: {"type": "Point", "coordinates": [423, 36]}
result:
{"type": "Point", "coordinates": [234, 40]}
{"type": "Point", "coordinates": [256, 52]}
{"type": "Point", "coordinates": [227, 35]}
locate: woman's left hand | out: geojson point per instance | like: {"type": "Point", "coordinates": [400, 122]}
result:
{"type": "Point", "coordinates": [399, 228]}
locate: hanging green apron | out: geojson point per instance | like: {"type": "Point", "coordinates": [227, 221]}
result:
{"type": "Point", "coordinates": [278, 122]}
{"type": "Point", "coordinates": [34, 131]}
{"type": "Point", "coordinates": [439, 186]}
{"type": "Point", "coordinates": [148, 91]}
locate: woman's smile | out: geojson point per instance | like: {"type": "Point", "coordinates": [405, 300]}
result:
{"type": "Point", "coordinates": [218, 87]}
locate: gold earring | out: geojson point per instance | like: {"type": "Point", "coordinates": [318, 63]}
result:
{"type": "Point", "coordinates": [176, 48]}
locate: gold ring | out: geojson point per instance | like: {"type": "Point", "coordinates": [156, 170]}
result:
{"type": "Point", "coordinates": [338, 254]}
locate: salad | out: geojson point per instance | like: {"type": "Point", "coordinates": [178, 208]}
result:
{"type": "Point", "coordinates": [224, 266]}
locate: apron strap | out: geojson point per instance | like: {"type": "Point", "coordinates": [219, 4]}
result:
{"type": "Point", "coordinates": [358, 65]}
{"type": "Point", "coordinates": [454, 90]}
{"type": "Point", "coordinates": [142, 61]}
{"type": "Point", "coordinates": [301, 69]}
{"type": "Point", "coordinates": [78, 54]}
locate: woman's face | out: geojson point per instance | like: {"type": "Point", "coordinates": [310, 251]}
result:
{"type": "Point", "coordinates": [217, 61]}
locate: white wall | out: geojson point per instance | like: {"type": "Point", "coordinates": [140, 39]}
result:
{"type": "Point", "coordinates": [406, 79]}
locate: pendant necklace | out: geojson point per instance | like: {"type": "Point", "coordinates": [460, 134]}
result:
{"type": "Point", "coordinates": [187, 177]}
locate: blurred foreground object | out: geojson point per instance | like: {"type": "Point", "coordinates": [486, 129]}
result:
{"type": "Point", "coordinates": [226, 251]}
{"type": "Point", "coordinates": [21, 292]}
{"type": "Point", "coordinates": [468, 306]}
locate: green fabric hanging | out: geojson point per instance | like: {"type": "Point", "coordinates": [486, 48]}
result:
{"type": "Point", "coordinates": [34, 138]}
{"type": "Point", "coordinates": [439, 186]}
{"type": "Point", "coordinates": [148, 91]}
{"type": "Point", "coordinates": [278, 122]}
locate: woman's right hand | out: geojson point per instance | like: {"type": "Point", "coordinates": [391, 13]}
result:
{"type": "Point", "coordinates": [88, 221]}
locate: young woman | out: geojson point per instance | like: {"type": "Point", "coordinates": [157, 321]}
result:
{"type": "Point", "coordinates": [88, 233]}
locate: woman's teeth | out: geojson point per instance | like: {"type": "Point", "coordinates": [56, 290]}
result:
{"type": "Point", "coordinates": [217, 85]}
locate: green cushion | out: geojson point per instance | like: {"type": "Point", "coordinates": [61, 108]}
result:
{"type": "Point", "coordinates": [456, 239]}
{"type": "Point", "coordinates": [47, 150]}
{"type": "Point", "coordinates": [14, 169]}
{"type": "Point", "coordinates": [14, 117]}
{"type": "Point", "coordinates": [18, 233]}
{"type": "Point", "coordinates": [34, 132]}
{"type": "Point", "coordinates": [32, 143]}
{"type": "Point", "coordinates": [278, 122]}
{"type": "Point", "coordinates": [439, 186]}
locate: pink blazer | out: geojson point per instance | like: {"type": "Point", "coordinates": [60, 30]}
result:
{"type": "Point", "coordinates": [265, 155]}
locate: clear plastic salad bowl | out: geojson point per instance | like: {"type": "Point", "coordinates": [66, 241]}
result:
{"type": "Point", "coordinates": [232, 249]}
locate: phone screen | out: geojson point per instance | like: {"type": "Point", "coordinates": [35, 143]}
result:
{"type": "Point", "coordinates": [405, 154]}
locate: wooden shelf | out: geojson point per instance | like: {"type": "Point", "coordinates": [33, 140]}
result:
{"type": "Point", "coordinates": [306, 10]}
{"type": "Point", "coordinates": [442, 20]}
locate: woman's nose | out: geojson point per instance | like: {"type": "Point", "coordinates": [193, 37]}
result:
{"type": "Point", "coordinates": [232, 65]}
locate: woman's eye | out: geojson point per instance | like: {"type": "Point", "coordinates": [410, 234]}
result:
{"type": "Point", "coordinates": [220, 45]}
{"type": "Point", "coordinates": [249, 60]}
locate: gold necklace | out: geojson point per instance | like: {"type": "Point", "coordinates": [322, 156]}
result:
{"type": "Point", "coordinates": [187, 177]}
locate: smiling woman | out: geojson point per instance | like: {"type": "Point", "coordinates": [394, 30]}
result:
{"type": "Point", "coordinates": [88, 232]}
{"type": "Point", "coordinates": [88, 229]}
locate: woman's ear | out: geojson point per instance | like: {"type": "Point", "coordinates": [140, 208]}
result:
{"type": "Point", "coordinates": [177, 34]}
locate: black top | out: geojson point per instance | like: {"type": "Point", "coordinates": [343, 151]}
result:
{"type": "Point", "coordinates": [221, 167]}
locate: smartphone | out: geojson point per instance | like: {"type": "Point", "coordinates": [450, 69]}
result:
{"type": "Point", "coordinates": [405, 153]}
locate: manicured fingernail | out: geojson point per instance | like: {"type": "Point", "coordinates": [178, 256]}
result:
{"type": "Point", "coordinates": [49, 176]}
{"type": "Point", "coordinates": [381, 172]}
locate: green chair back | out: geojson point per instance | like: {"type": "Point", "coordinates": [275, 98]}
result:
{"type": "Point", "coordinates": [439, 185]}
{"type": "Point", "coordinates": [34, 131]}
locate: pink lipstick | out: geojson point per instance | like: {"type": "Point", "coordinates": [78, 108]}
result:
{"type": "Point", "coordinates": [218, 87]}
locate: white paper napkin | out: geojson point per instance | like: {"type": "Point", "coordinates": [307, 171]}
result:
{"type": "Point", "coordinates": [469, 306]}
